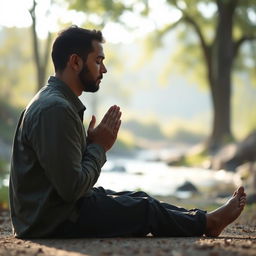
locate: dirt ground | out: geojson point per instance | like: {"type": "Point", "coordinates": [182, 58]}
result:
{"type": "Point", "coordinates": [238, 239]}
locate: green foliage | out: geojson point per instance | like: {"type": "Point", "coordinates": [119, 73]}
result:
{"type": "Point", "coordinates": [243, 20]}
{"type": "Point", "coordinates": [190, 52]}
{"type": "Point", "coordinates": [122, 147]}
{"type": "Point", "coordinates": [187, 136]}
{"type": "Point", "coordinates": [11, 63]}
{"type": "Point", "coordinates": [196, 160]}
{"type": "Point", "coordinates": [16, 66]}
{"type": "Point", "coordinates": [8, 118]}
{"type": "Point", "coordinates": [193, 159]}
{"type": "Point", "coordinates": [244, 106]}
{"type": "Point", "coordinates": [106, 10]}
{"type": "Point", "coordinates": [4, 197]}
{"type": "Point", "coordinates": [3, 169]}
{"type": "Point", "coordinates": [246, 61]}
{"type": "Point", "coordinates": [3, 189]}
{"type": "Point", "coordinates": [150, 131]}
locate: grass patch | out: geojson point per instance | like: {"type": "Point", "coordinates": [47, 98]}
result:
{"type": "Point", "coordinates": [192, 159]}
{"type": "Point", "coordinates": [195, 159]}
{"type": "Point", "coordinates": [4, 197]}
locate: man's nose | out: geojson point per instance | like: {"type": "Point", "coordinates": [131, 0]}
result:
{"type": "Point", "coordinates": [103, 69]}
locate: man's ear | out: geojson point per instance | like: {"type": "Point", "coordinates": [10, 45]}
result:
{"type": "Point", "coordinates": [75, 62]}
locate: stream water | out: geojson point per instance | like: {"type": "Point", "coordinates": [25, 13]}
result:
{"type": "Point", "coordinates": [157, 178]}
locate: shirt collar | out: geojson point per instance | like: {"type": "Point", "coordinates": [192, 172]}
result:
{"type": "Point", "coordinates": [68, 93]}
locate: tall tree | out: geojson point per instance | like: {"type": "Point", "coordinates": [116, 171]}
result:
{"type": "Point", "coordinates": [231, 24]}
{"type": "Point", "coordinates": [40, 57]}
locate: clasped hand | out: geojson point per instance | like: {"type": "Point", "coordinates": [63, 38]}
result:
{"type": "Point", "coordinates": [105, 133]}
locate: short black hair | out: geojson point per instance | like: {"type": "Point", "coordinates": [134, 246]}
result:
{"type": "Point", "coordinates": [73, 40]}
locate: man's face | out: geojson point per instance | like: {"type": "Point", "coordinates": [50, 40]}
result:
{"type": "Point", "coordinates": [93, 69]}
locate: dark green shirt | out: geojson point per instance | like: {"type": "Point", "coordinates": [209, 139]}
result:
{"type": "Point", "coordinates": [52, 166]}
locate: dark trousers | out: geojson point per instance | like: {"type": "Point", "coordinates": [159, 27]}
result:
{"type": "Point", "coordinates": [107, 213]}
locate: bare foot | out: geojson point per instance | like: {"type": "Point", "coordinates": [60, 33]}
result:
{"type": "Point", "coordinates": [218, 219]}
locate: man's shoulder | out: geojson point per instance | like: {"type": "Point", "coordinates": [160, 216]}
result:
{"type": "Point", "coordinates": [47, 99]}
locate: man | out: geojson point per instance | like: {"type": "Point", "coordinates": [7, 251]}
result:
{"type": "Point", "coordinates": [55, 164]}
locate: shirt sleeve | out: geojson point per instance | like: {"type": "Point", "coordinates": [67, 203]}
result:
{"type": "Point", "coordinates": [56, 139]}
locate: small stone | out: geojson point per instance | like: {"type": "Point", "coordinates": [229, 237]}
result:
{"type": "Point", "coordinates": [177, 253]}
{"type": "Point", "coordinates": [214, 254]}
{"type": "Point", "coordinates": [227, 242]}
{"type": "Point", "coordinates": [40, 250]}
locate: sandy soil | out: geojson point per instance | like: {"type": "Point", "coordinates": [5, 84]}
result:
{"type": "Point", "coordinates": [238, 239]}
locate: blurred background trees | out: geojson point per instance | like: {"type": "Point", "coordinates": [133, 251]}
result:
{"type": "Point", "coordinates": [221, 28]}
{"type": "Point", "coordinates": [217, 40]}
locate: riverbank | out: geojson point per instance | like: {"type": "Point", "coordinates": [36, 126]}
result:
{"type": "Point", "coordinates": [237, 239]}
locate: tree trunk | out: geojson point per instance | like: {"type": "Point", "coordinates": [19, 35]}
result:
{"type": "Point", "coordinates": [41, 61]}
{"type": "Point", "coordinates": [220, 77]}
{"type": "Point", "coordinates": [39, 72]}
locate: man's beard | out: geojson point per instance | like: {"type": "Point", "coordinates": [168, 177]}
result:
{"type": "Point", "coordinates": [89, 85]}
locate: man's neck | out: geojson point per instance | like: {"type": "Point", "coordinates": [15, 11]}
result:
{"type": "Point", "coordinates": [70, 82]}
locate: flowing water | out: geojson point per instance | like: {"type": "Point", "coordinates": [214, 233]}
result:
{"type": "Point", "coordinates": [157, 178]}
